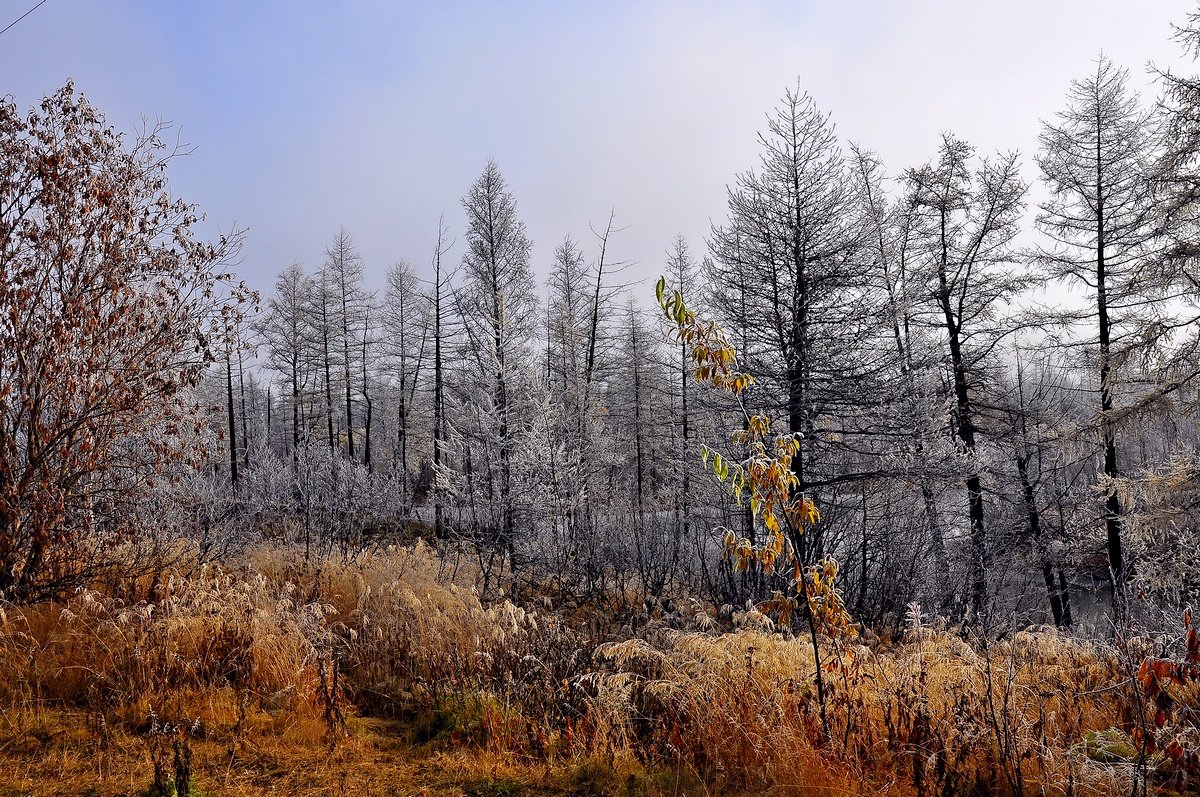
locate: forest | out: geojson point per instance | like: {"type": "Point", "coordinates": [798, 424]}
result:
{"type": "Point", "coordinates": [887, 486]}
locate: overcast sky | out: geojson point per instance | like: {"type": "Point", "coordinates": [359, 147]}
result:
{"type": "Point", "coordinates": [377, 116]}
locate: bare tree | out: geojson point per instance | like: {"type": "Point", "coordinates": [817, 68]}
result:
{"type": "Point", "coordinates": [967, 222]}
{"type": "Point", "coordinates": [342, 276]}
{"type": "Point", "coordinates": [794, 239]}
{"type": "Point", "coordinates": [913, 417]}
{"type": "Point", "coordinates": [404, 323]}
{"type": "Point", "coordinates": [441, 287]}
{"type": "Point", "coordinates": [499, 310]}
{"type": "Point", "coordinates": [1100, 232]}
{"type": "Point", "coordinates": [683, 275]}
{"type": "Point", "coordinates": [284, 331]}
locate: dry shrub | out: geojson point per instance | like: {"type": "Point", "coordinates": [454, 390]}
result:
{"type": "Point", "coordinates": [415, 637]}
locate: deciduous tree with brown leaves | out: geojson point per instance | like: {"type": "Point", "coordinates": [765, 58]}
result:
{"type": "Point", "coordinates": [110, 311]}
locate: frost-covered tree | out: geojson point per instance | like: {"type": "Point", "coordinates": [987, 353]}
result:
{"type": "Point", "coordinates": [346, 316]}
{"type": "Point", "coordinates": [1099, 230]}
{"type": "Point", "coordinates": [964, 223]}
{"type": "Point", "coordinates": [793, 240]}
{"type": "Point", "coordinates": [404, 336]}
{"type": "Point", "coordinates": [907, 440]}
{"type": "Point", "coordinates": [499, 305]}
{"type": "Point", "coordinates": [284, 332]}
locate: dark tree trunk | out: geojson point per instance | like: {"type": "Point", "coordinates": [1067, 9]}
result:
{"type": "Point", "coordinates": [366, 397]}
{"type": "Point", "coordinates": [964, 423]}
{"type": "Point", "coordinates": [328, 374]}
{"type": "Point", "coordinates": [268, 442]}
{"type": "Point", "coordinates": [242, 405]}
{"type": "Point", "coordinates": [1034, 525]}
{"type": "Point", "coordinates": [439, 432]}
{"type": "Point", "coordinates": [1112, 504]}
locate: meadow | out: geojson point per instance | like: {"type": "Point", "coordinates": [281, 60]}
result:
{"type": "Point", "coordinates": [386, 674]}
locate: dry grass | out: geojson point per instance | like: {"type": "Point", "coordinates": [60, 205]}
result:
{"type": "Point", "coordinates": [933, 715]}
{"type": "Point", "coordinates": [387, 676]}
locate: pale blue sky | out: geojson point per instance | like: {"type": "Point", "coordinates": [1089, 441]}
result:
{"type": "Point", "coordinates": [377, 116]}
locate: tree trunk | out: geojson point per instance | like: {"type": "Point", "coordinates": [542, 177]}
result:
{"type": "Point", "coordinates": [1112, 504]}
{"type": "Point", "coordinates": [1034, 526]}
{"type": "Point", "coordinates": [366, 396]}
{"type": "Point", "coordinates": [328, 373]}
{"type": "Point", "coordinates": [233, 462]}
{"type": "Point", "coordinates": [439, 434]}
{"type": "Point", "coordinates": [242, 404]}
{"type": "Point", "coordinates": [295, 413]}
{"type": "Point", "coordinates": [965, 428]}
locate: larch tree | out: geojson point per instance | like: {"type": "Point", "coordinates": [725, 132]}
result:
{"type": "Point", "coordinates": [1177, 168]}
{"type": "Point", "coordinates": [1159, 498]}
{"type": "Point", "coordinates": [965, 225]}
{"type": "Point", "coordinates": [342, 276]}
{"type": "Point", "coordinates": [1031, 415]}
{"type": "Point", "coordinates": [283, 329]}
{"type": "Point", "coordinates": [913, 415]}
{"type": "Point", "coordinates": [403, 320]}
{"type": "Point", "coordinates": [793, 239]}
{"type": "Point", "coordinates": [231, 412]}
{"type": "Point", "coordinates": [366, 361]}
{"type": "Point", "coordinates": [643, 450]}
{"type": "Point", "coordinates": [499, 314]}
{"type": "Point", "coordinates": [440, 292]}
{"type": "Point", "coordinates": [601, 301]}
{"type": "Point", "coordinates": [569, 317]}
{"type": "Point", "coordinates": [630, 410]}
{"type": "Point", "coordinates": [1100, 233]}
{"type": "Point", "coordinates": [568, 313]}
{"type": "Point", "coordinates": [323, 334]}
{"type": "Point", "coordinates": [683, 275]}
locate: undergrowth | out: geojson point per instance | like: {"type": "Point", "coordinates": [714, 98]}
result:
{"type": "Point", "coordinates": [244, 678]}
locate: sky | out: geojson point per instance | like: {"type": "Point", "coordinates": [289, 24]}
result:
{"type": "Point", "coordinates": [304, 117]}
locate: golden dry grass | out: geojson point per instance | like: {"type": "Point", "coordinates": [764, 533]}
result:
{"type": "Point", "coordinates": [386, 676]}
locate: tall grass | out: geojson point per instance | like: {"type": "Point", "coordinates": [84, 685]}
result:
{"type": "Point", "coordinates": [278, 648]}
